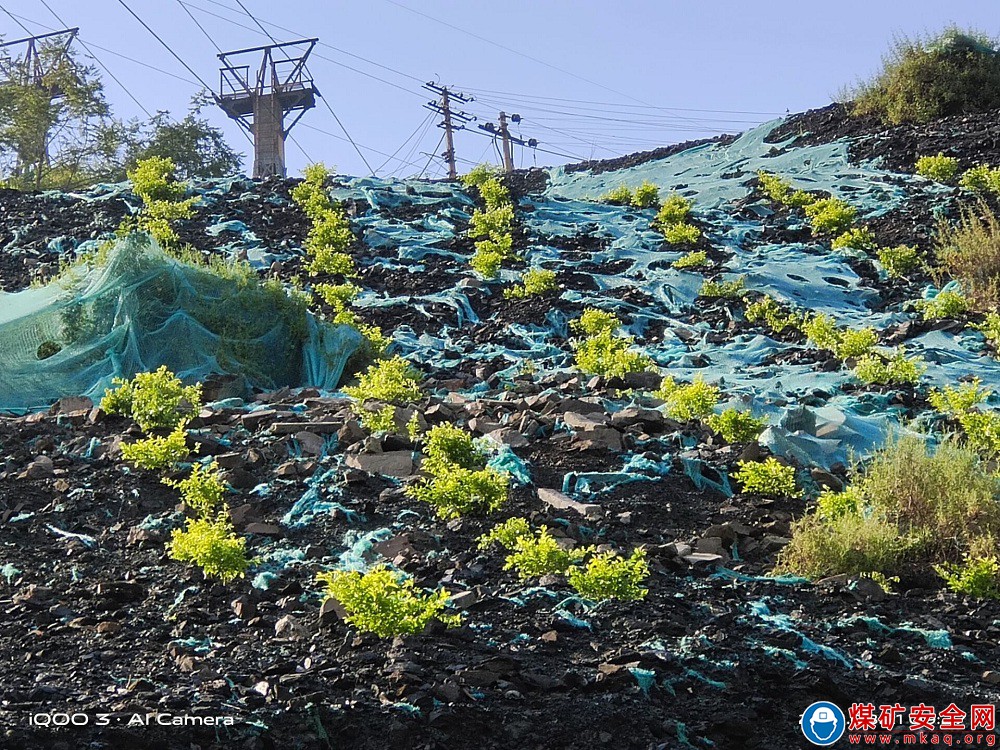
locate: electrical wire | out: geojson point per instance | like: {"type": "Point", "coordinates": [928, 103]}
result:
{"type": "Point", "coordinates": [15, 20]}
{"type": "Point", "coordinates": [166, 46]}
{"type": "Point", "coordinates": [104, 67]}
{"type": "Point", "coordinates": [198, 24]}
{"type": "Point", "coordinates": [416, 130]}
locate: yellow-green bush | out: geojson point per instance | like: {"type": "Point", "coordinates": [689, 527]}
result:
{"type": "Point", "coordinates": [693, 259]}
{"type": "Point", "coordinates": [203, 491]}
{"type": "Point", "coordinates": [211, 544]}
{"type": "Point", "coordinates": [686, 403]}
{"type": "Point", "coordinates": [619, 196]}
{"type": "Point", "coordinates": [769, 478]}
{"type": "Point", "coordinates": [981, 179]}
{"type": "Point", "coordinates": [830, 216]}
{"type": "Point", "coordinates": [602, 351]}
{"type": "Point", "coordinates": [736, 426]}
{"type": "Point", "coordinates": [382, 602]}
{"type": "Point", "coordinates": [646, 195]}
{"type": "Point", "coordinates": [899, 260]}
{"type": "Point", "coordinates": [946, 304]}
{"type": "Point", "coordinates": [158, 452]}
{"type": "Point", "coordinates": [540, 554]}
{"type": "Point", "coordinates": [780, 191]}
{"type": "Point", "coordinates": [533, 282]}
{"type": "Point", "coordinates": [674, 210]}
{"type": "Point", "coordinates": [734, 289]}
{"type": "Point", "coordinates": [155, 400]}
{"type": "Point", "coordinates": [969, 252]}
{"type": "Point", "coordinates": [978, 577]}
{"type": "Point", "coordinates": [893, 369]}
{"type": "Point", "coordinates": [608, 575]}
{"type": "Point", "coordinates": [681, 234]}
{"type": "Point", "coordinates": [939, 168]}
{"type": "Point", "coordinates": [856, 238]}
{"type": "Point", "coordinates": [506, 534]}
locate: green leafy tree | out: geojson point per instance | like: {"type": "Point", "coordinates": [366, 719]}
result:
{"type": "Point", "coordinates": [56, 129]}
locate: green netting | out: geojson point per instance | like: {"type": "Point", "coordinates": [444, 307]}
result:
{"type": "Point", "coordinates": [136, 308]}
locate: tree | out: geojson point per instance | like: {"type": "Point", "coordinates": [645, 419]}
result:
{"type": "Point", "coordinates": [197, 148]}
{"type": "Point", "coordinates": [55, 126]}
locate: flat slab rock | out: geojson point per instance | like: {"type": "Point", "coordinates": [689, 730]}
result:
{"type": "Point", "coordinates": [560, 501]}
{"type": "Point", "coordinates": [397, 464]}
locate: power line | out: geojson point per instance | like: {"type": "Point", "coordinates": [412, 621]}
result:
{"type": "Point", "coordinates": [416, 130]}
{"type": "Point", "coordinates": [198, 24]}
{"type": "Point", "coordinates": [103, 66]}
{"type": "Point", "coordinates": [315, 54]}
{"type": "Point", "coordinates": [166, 46]}
{"type": "Point", "coordinates": [14, 19]}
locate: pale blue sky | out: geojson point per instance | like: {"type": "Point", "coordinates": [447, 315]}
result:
{"type": "Point", "coordinates": [589, 78]}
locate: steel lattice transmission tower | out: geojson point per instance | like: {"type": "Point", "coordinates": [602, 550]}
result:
{"type": "Point", "coordinates": [260, 98]}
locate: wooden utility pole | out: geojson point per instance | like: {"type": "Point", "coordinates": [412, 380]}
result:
{"type": "Point", "coordinates": [450, 117]}
{"type": "Point", "coordinates": [449, 136]}
{"type": "Point", "coordinates": [508, 157]}
{"type": "Point", "coordinates": [508, 140]}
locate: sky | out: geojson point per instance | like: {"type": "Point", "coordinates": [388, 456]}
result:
{"type": "Point", "coordinates": [589, 79]}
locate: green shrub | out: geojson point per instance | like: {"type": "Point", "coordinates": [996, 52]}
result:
{"type": "Point", "coordinates": [982, 431]}
{"type": "Point", "coordinates": [674, 210]}
{"type": "Point", "coordinates": [593, 322]}
{"type": "Point", "coordinates": [970, 253]}
{"type": "Point", "coordinates": [832, 504]}
{"type": "Point", "coordinates": [155, 400]}
{"type": "Point", "coordinates": [533, 282]}
{"type": "Point", "coordinates": [956, 401]}
{"type": "Point", "coordinates": [152, 180]}
{"type": "Point", "coordinates": [914, 503]}
{"type": "Point", "coordinates": [848, 543]}
{"type": "Point", "coordinates": [459, 482]}
{"type": "Point", "coordinates": [382, 602]}
{"type": "Point", "coordinates": [603, 352]}
{"type": "Point", "coordinates": [203, 491]}
{"type": "Point", "coordinates": [899, 261]}
{"type": "Point", "coordinates": [493, 223]}
{"type": "Point", "coordinates": [506, 534]}
{"type": "Point", "coordinates": [736, 426]}
{"type": "Point", "coordinates": [480, 174]}
{"type": "Point", "coordinates": [769, 478]}
{"type": "Point", "coordinates": [212, 545]}
{"type": "Point", "coordinates": [922, 79]}
{"type": "Point", "coordinates": [977, 577]}
{"type": "Point", "coordinates": [689, 402]}
{"type": "Point", "coordinates": [447, 446]}
{"type": "Point", "coordinates": [822, 332]}
{"type": "Point", "coordinates": [939, 168]}
{"type": "Point", "coordinates": [646, 195]}
{"type": "Point", "coordinates": [310, 195]}
{"type": "Point", "coordinates": [856, 342]}
{"type": "Point", "coordinates": [768, 309]}
{"type": "Point", "coordinates": [619, 196]}
{"type": "Point", "coordinates": [830, 216]}
{"type": "Point", "coordinates": [539, 555]}
{"type": "Point", "coordinates": [681, 234]}
{"type": "Point", "coordinates": [327, 244]}
{"type": "Point", "coordinates": [462, 492]}
{"type": "Point", "coordinates": [158, 452]}
{"type": "Point", "coordinates": [391, 381]}
{"type": "Point", "coordinates": [607, 575]}
{"type": "Point", "coordinates": [856, 238]}
{"type": "Point", "coordinates": [494, 194]}
{"type": "Point", "coordinates": [693, 259]}
{"type": "Point", "coordinates": [780, 191]}
{"type": "Point", "coordinates": [338, 296]}
{"type": "Point", "coordinates": [947, 304]}
{"type": "Point", "coordinates": [981, 179]}
{"type": "Point", "coordinates": [734, 289]}
{"type": "Point", "coordinates": [896, 369]}
{"type": "Point", "coordinates": [990, 328]}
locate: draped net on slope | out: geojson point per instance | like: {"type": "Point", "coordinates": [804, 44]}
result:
{"type": "Point", "coordinates": [137, 309]}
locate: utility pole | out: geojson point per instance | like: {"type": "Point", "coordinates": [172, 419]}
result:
{"type": "Point", "coordinates": [444, 109]}
{"type": "Point", "coordinates": [259, 104]}
{"type": "Point", "coordinates": [504, 132]}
